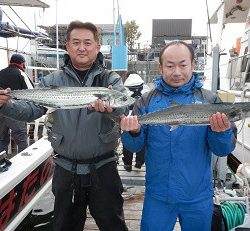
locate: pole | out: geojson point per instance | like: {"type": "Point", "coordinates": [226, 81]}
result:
{"type": "Point", "coordinates": [114, 23]}
{"type": "Point", "coordinates": [57, 44]}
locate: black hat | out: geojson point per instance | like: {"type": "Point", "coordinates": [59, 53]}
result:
{"type": "Point", "coordinates": [16, 58]}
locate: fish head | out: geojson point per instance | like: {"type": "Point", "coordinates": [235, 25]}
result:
{"type": "Point", "coordinates": [239, 111]}
{"type": "Point", "coordinates": [247, 114]}
{"type": "Point", "coordinates": [122, 101]}
{"type": "Point", "coordinates": [245, 109]}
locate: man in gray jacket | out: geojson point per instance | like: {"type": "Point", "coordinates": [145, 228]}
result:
{"type": "Point", "coordinates": [83, 140]}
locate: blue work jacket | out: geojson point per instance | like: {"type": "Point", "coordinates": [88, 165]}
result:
{"type": "Point", "coordinates": [178, 162]}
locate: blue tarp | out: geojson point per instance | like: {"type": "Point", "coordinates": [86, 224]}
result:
{"type": "Point", "coordinates": [119, 58]}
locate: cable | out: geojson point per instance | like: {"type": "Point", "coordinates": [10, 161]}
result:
{"type": "Point", "coordinates": [234, 213]}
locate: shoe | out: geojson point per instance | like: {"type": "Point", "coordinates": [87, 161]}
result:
{"type": "Point", "coordinates": [138, 165]}
{"type": "Point", "coordinates": [128, 168]}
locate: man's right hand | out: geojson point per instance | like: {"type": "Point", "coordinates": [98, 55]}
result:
{"type": "Point", "coordinates": [130, 123]}
{"type": "Point", "coordinates": [3, 97]}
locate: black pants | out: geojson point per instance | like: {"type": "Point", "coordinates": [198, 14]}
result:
{"type": "Point", "coordinates": [18, 132]}
{"type": "Point", "coordinates": [104, 201]}
{"type": "Point", "coordinates": [128, 157]}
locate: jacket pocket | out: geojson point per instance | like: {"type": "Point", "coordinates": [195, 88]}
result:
{"type": "Point", "coordinates": [55, 139]}
{"type": "Point", "coordinates": [110, 136]}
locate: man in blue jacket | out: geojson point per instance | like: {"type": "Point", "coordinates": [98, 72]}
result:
{"type": "Point", "coordinates": [178, 162]}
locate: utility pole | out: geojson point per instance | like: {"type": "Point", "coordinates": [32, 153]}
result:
{"type": "Point", "coordinates": [57, 42]}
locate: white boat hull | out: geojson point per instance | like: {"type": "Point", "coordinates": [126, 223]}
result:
{"type": "Point", "coordinates": [23, 184]}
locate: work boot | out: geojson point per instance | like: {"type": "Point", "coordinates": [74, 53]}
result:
{"type": "Point", "coordinates": [128, 168]}
{"type": "Point", "coordinates": [138, 165]}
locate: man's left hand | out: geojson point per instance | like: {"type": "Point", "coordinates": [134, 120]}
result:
{"type": "Point", "coordinates": [219, 122]}
{"type": "Point", "coordinates": [101, 106]}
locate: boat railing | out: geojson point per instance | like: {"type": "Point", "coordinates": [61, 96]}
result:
{"type": "Point", "coordinates": [236, 71]}
{"type": "Point", "coordinates": [44, 62]}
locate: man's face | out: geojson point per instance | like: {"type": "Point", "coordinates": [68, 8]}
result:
{"type": "Point", "coordinates": [176, 67]}
{"type": "Point", "coordinates": [82, 48]}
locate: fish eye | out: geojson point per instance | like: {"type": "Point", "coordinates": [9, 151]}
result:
{"type": "Point", "coordinates": [124, 98]}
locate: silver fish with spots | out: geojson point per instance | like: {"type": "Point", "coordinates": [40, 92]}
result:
{"type": "Point", "coordinates": [195, 114]}
{"type": "Point", "coordinates": [72, 97]}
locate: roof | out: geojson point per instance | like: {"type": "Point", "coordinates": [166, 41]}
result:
{"type": "Point", "coordinates": [30, 3]}
{"type": "Point", "coordinates": [107, 28]}
{"type": "Point", "coordinates": [172, 27]}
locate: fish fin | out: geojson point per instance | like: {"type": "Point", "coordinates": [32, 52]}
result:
{"type": "Point", "coordinates": [173, 127]}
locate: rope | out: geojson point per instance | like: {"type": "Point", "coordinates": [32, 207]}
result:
{"type": "Point", "coordinates": [234, 213]}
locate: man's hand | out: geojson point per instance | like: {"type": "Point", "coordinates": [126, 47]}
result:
{"type": "Point", "coordinates": [101, 106]}
{"type": "Point", "coordinates": [219, 122]}
{"type": "Point", "coordinates": [3, 97]}
{"type": "Point", "coordinates": [130, 124]}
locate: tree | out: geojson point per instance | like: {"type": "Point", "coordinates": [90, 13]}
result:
{"type": "Point", "coordinates": [131, 33]}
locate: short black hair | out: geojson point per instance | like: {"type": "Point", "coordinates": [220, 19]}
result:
{"type": "Point", "coordinates": [83, 25]}
{"type": "Point", "coordinates": [177, 42]}
{"type": "Point", "coordinates": [17, 58]}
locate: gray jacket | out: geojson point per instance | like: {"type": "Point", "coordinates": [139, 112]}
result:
{"type": "Point", "coordinates": [76, 134]}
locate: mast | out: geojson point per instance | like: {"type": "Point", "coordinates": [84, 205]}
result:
{"type": "Point", "coordinates": [57, 43]}
{"type": "Point", "coordinates": [114, 23]}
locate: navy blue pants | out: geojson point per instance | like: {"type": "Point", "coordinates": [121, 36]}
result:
{"type": "Point", "coordinates": [74, 193]}
{"type": "Point", "coordinates": [161, 216]}
{"type": "Point", "coordinates": [18, 132]}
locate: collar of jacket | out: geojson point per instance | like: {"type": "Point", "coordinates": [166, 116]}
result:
{"type": "Point", "coordinates": [17, 65]}
{"type": "Point", "coordinates": [189, 88]}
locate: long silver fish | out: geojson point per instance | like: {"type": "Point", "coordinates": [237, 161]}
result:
{"type": "Point", "coordinates": [195, 114]}
{"type": "Point", "coordinates": [72, 97]}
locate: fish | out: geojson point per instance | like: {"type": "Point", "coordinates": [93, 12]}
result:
{"type": "Point", "coordinates": [195, 114]}
{"type": "Point", "coordinates": [72, 97]}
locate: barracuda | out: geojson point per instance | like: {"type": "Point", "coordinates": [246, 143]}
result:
{"type": "Point", "coordinates": [195, 114]}
{"type": "Point", "coordinates": [72, 97]}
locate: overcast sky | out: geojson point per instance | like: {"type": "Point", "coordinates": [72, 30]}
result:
{"type": "Point", "coordinates": [142, 11]}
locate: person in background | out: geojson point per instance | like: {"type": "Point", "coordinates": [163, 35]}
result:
{"type": "Point", "coordinates": [14, 77]}
{"type": "Point", "coordinates": [40, 76]}
{"type": "Point", "coordinates": [178, 162]}
{"type": "Point", "coordinates": [83, 140]}
{"type": "Point", "coordinates": [135, 85]}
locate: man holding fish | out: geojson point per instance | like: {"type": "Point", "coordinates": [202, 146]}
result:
{"type": "Point", "coordinates": [83, 139]}
{"type": "Point", "coordinates": [178, 160]}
